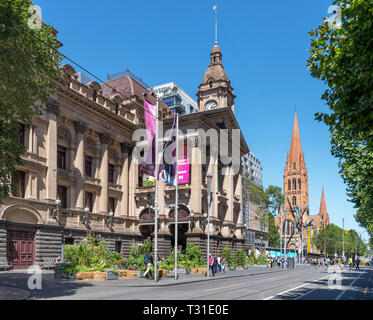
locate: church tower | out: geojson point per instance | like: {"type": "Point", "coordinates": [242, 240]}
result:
{"type": "Point", "coordinates": [295, 173]}
{"type": "Point", "coordinates": [215, 91]}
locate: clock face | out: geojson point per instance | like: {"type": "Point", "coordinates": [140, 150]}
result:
{"type": "Point", "coordinates": [210, 105]}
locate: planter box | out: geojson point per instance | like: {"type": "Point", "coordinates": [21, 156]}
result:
{"type": "Point", "coordinates": [127, 274]}
{"type": "Point", "coordinates": [111, 275]}
{"type": "Point", "coordinates": [202, 271]}
{"type": "Point", "coordinates": [194, 271]}
{"type": "Point", "coordinates": [140, 274]}
{"type": "Point", "coordinates": [91, 276]}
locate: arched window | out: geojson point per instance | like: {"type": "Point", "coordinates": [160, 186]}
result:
{"type": "Point", "coordinates": [299, 184]}
{"type": "Point", "coordinates": [294, 184]}
{"type": "Point", "coordinates": [116, 108]}
{"type": "Point", "coordinates": [94, 95]}
{"type": "Point", "coordinates": [294, 166]}
{"type": "Point", "coordinates": [294, 202]}
{"type": "Point", "coordinates": [289, 185]}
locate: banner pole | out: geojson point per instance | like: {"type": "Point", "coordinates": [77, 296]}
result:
{"type": "Point", "coordinates": [156, 193]}
{"type": "Point", "coordinates": [176, 193]}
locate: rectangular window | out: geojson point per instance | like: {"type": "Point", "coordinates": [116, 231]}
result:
{"type": "Point", "coordinates": [118, 246]}
{"type": "Point", "coordinates": [111, 173]}
{"type": "Point", "coordinates": [88, 166]}
{"type": "Point", "coordinates": [62, 193]}
{"type": "Point", "coordinates": [112, 204]}
{"type": "Point", "coordinates": [61, 157]}
{"type": "Point", "coordinates": [89, 200]}
{"type": "Point", "coordinates": [21, 134]}
{"type": "Point", "coordinates": [18, 184]}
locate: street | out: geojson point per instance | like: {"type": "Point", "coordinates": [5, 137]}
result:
{"type": "Point", "coordinates": [308, 283]}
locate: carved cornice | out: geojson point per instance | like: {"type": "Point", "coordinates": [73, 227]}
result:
{"type": "Point", "coordinates": [80, 127]}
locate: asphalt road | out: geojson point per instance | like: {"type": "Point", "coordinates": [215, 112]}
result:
{"type": "Point", "coordinates": [300, 284]}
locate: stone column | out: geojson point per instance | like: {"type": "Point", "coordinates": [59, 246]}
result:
{"type": "Point", "coordinates": [196, 177]}
{"type": "Point", "coordinates": [238, 192]}
{"type": "Point", "coordinates": [126, 150]}
{"type": "Point", "coordinates": [229, 184]}
{"type": "Point", "coordinates": [80, 128]}
{"type": "Point", "coordinates": [104, 140]}
{"type": "Point", "coordinates": [51, 150]}
{"type": "Point", "coordinates": [132, 183]}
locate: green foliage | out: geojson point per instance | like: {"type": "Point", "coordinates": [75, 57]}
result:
{"type": "Point", "coordinates": [29, 65]}
{"type": "Point", "coordinates": [91, 255]}
{"type": "Point", "coordinates": [273, 233]}
{"type": "Point", "coordinates": [332, 236]}
{"type": "Point", "coordinates": [342, 57]}
{"type": "Point", "coordinates": [240, 258]}
{"type": "Point", "coordinates": [227, 254]}
{"type": "Point", "coordinates": [262, 259]}
{"type": "Point", "coordinates": [194, 255]}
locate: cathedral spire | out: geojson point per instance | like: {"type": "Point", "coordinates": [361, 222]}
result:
{"type": "Point", "coordinates": [322, 211]}
{"type": "Point", "coordinates": [295, 145]}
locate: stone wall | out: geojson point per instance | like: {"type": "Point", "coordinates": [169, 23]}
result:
{"type": "Point", "coordinates": [48, 243]}
{"type": "Point", "coordinates": [2, 239]}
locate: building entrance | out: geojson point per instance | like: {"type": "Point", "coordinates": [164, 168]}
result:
{"type": "Point", "coordinates": [21, 248]}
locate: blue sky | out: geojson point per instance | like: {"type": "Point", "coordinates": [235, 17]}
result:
{"type": "Point", "coordinates": [264, 46]}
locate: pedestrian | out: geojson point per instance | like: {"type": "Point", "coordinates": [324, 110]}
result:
{"type": "Point", "coordinates": [349, 262]}
{"type": "Point", "coordinates": [219, 264]}
{"type": "Point", "coordinates": [215, 266]}
{"type": "Point", "coordinates": [271, 262]}
{"type": "Point", "coordinates": [357, 263]}
{"type": "Point", "coordinates": [223, 264]}
{"type": "Point", "coordinates": [211, 264]}
{"type": "Point", "coordinates": [148, 261]}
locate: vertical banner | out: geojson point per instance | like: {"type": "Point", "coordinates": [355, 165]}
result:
{"type": "Point", "coordinates": [183, 166]}
{"type": "Point", "coordinates": [148, 166]}
{"type": "Point", "coordinates": [309, 239]}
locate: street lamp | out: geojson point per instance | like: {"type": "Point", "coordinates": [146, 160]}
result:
{"type": "Point", "coordinates": [209, 179]}
{"type": "Point", "coordinates": [84, 219]}
{"type": "Point", "coordinates": [192, 220]}
{"type": "Point", "coordinates": [56, 211]}
{"type": "Point", "coordinates": [109, 222]}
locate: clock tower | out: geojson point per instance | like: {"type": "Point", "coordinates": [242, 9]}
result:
{"type": "Point", "coordinates": [215, 91]}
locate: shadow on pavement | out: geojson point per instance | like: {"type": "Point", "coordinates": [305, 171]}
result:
{"type": "Point", "coordinates": [16, 283]}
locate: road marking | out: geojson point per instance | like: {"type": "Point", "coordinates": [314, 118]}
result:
{"type": "Point", "coordinates": [303, 285]}
{"type": "Point", "coordinates": [231, 286]}
{"type": "Point", "coordinates": [351, 284]}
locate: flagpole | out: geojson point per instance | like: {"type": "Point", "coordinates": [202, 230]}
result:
{"type": "Point", "coordinates": [156, 192]}
{"type": "Point", "coordinates": [216, 25]}
{"type": "Point", "coordinates": [176, 192]}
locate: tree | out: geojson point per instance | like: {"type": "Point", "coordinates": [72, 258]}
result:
{"type": "Point", "coordinates": [342, 57]}
{"type": "Point", "coordinates": [269, 200]}
{"type": "Point", "coordinates": [29, 63]}
{"type": "Point", "coordinates": [333, 237]}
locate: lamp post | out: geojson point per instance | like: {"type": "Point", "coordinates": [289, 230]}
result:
{"type": "Point", "coordinates": [84, 218]}
{"type": "Point", "coordinates": [192, 220]}
{"type": "Point", "coordinates": [209, 179]}
{"type": "Point", "coordinates": [109, 221]}
{"type": "Point", "coordinates": [56, 211]}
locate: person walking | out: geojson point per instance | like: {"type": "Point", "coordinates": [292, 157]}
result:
{"type": "Point", "coordinates": [349, 262]}
{"type": "Point", "coordinates": [223, 264]}
{"type": "Point", "coordinates": [211, 264]}
{"type": "Point", "coordinates": [357, 263]}
{"type": "Point", "coordinates": [219, 264]}
{"type": "Point", "coordinates": [148, 262]}
{"type": "Point", "coordinates": [215, 266]}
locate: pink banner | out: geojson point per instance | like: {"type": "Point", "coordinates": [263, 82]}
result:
{"type": "Point", "coordinates": [148, 166]}
{"type": "Point", "coordinates": [183, 167]}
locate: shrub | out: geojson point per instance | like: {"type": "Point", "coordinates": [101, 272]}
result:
{"type": "Point", "coordinates": [227, 254]}
{"type": "Point", "coordinates": [194, 255]}
{"type": "Point", "coordinates": [240, 258]}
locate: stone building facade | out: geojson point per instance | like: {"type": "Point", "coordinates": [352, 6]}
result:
{"type": "Point", "coordinates": [80, 151]}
